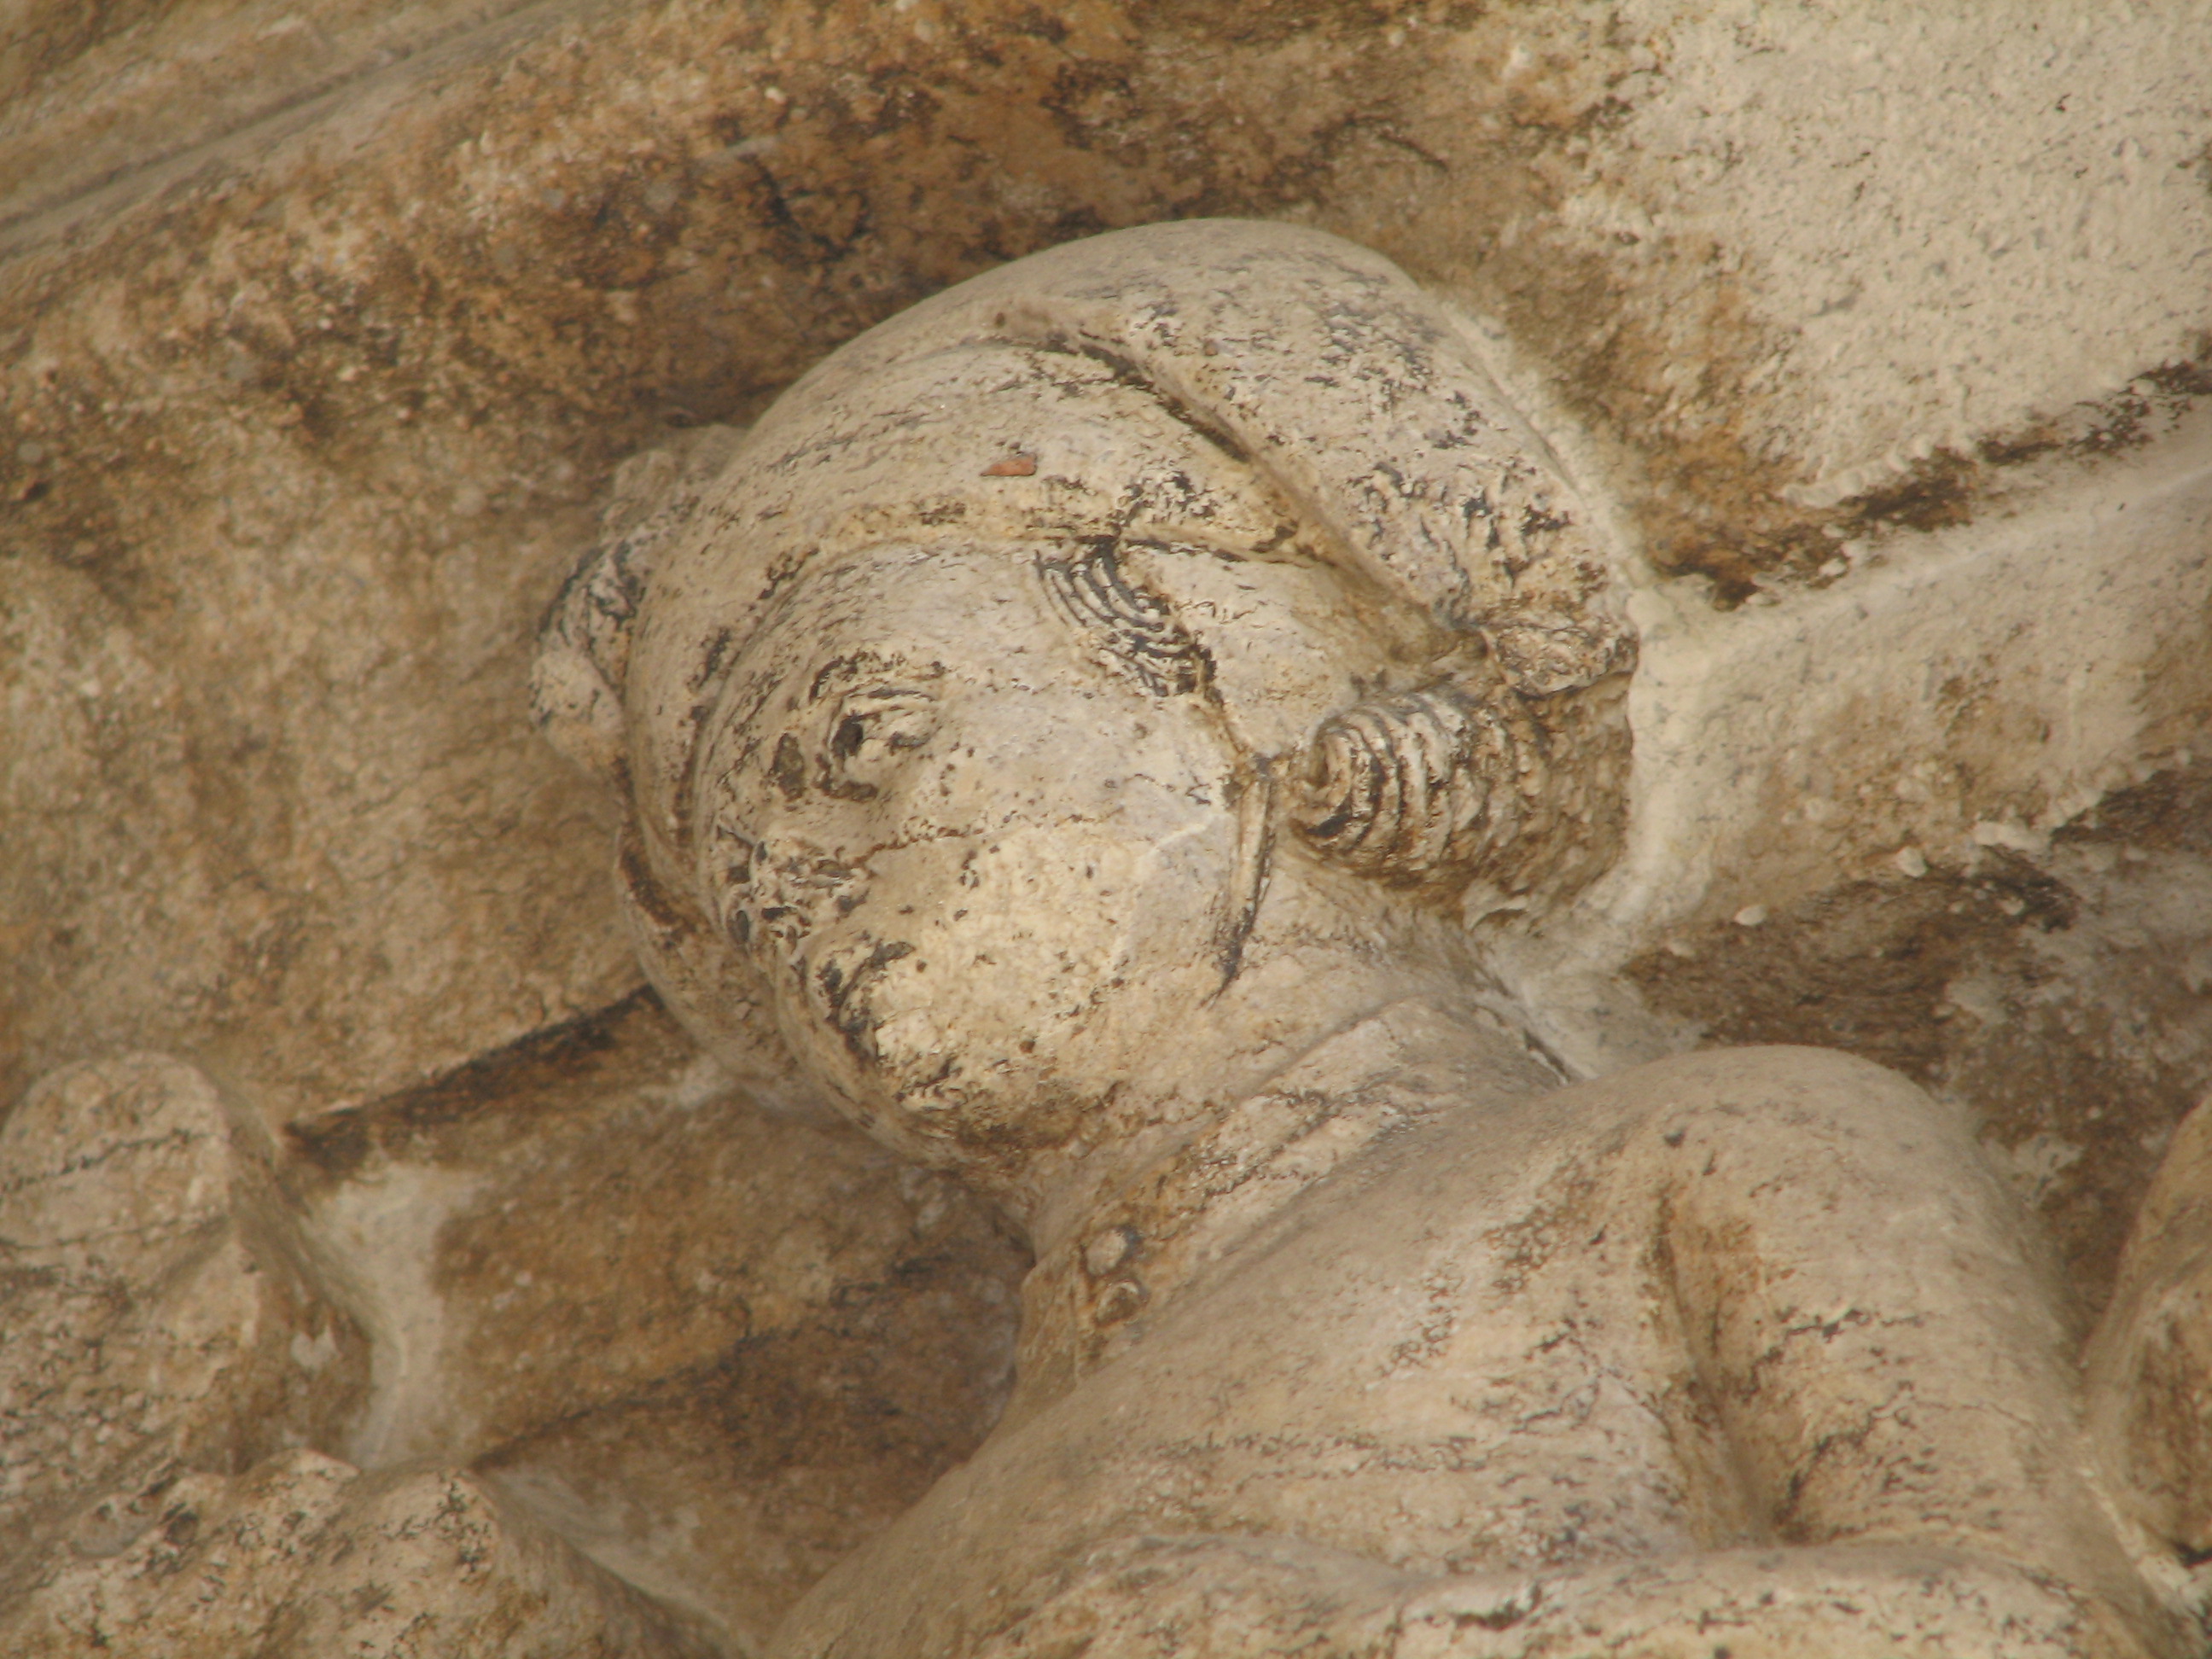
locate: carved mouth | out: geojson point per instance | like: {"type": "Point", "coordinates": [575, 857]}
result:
{"type": "Point", "coordinates": [841, 986]}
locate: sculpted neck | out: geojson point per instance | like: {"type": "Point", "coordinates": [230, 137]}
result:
{"type": "Point", "coordinates": [1109, 1268]}
{"type": "Point", "coordinates": [1332, 971]}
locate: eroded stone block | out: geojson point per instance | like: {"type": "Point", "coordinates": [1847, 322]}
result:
{"type": "Point", "coordinates": [156, 1312]}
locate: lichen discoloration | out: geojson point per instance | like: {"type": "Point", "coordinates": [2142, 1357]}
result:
{"type": "Point", "coordinates": [156, 1303]}
{"type": "Point", "coordinates": [1660, 1391]}
{"type": "Point", "coordinates": [1236, 439]}
{"type": "Point", "coordinates": [321, 337]}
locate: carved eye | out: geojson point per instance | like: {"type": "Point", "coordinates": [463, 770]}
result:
{"type": "Point", "coordinates": [870, 731]}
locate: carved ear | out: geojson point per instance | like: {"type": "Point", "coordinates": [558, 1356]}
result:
{"type": "Point", "coordinates": [583, 644]}
{"type": "Point", "coordinates": [1456, 791]}
{"type": "Point", "coordinates": [583, 647]}
{"type": "Point", "coordinates": [1415, 790]}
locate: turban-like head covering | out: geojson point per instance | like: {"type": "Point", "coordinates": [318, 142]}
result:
{"type": "Point", "coordinates": [1350, 400]}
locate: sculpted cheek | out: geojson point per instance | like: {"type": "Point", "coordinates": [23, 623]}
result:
{"type": "Point", "coordinates": [1034, 957]}
{"type": "Point", "coordinates": [793, 889]}
{"type": "Point", "coordinates": [913, 1038]}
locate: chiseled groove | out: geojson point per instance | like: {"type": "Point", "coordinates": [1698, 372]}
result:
{"type": "Point", "coordinates": [1137, 628]}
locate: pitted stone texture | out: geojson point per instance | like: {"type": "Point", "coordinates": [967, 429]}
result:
{"type": "Point", "coordinates": [315, 841]}
{"type": "Point", "coordinates": [1754, 192]}
{"type": "Point", "coordinates": [434, 1563]}
{"type": "Point", "coordinates": [90, 95]}
{"type": "Point", "coordinates": [2059, 993]}
{"type": "Point", "coordinates": [307, 418]}
{"type": "Point", "coordinates": [305, 1557]}
{"type": "Point", "coordinates": [1436, 1406]}
{"type": "Point", "coordinates": [1350, 1328]}
{"type": "Point", "coordinates": [713, 1349]}
{"type": "Point", "coordinates": [156, 1313]}
{"type": "Point", "coordinates": [1946, 812]}
{"type": "Point", "coordinates": [180, 1566]}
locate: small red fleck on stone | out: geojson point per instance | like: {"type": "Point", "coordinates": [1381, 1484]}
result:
{"type": "Point", "coordinates": [1014, 466]}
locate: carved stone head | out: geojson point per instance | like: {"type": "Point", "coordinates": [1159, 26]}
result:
{"type": "Point", "coordinates": [963, 721]}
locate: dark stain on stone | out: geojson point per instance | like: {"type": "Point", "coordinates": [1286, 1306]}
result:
{"type": "Point", "coordinates": [2169, 811]}
{"type": "Point", "coordinates": [562, 1056]}
{"type": "Point", "coordinates": [1935, 493]}
{"type": "Point", "coordinates": [788, 770]}
{"type": "Point", "coordinates": [848, 1008]}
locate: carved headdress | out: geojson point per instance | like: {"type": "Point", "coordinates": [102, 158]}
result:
{"type": "Point", "coordinates": [1317, 371]}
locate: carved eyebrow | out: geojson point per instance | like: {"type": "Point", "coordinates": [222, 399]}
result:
{"type": "Point", "coordinates": [1137, 628]}
{"type": "Point", "coordinates": [900, 677]}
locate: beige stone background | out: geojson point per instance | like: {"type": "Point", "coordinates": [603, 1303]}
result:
{"type": "Point", "coordinates": [1883, 332]}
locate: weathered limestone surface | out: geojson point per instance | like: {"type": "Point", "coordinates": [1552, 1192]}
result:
{"type": "Point", "coordinates": [156, 1309]}
{"type": "Point", "coordinates": [306, 1556]}
{"type": "Point", "coordinates": [1875, 339]}
{"type": "Point", "coordinates": [601, 1330]}
{"type": "Point", "coordinates": [1092, 736]}
{"type": "Point", "coordinates": [311, 396]}
{"type": "Point", "coordinates": [713, 1348]}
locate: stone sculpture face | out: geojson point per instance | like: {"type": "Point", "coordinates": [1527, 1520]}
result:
{"type": "Point", "coordinates": [964, 719]}
{"type": "Point", "coordinates": [991, 822]}
{"type": "Point", "coordinates": [1077, 733]}
{"type": "Point", "coordinates": [973, 868]}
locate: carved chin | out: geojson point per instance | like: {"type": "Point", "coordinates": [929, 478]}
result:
{"type": "Point", "coordinates": [924, 1090]}
{"type": "Point", "coordinates": [973, 1076]}
{"type": "Point", "coordinates": [919, 1095]}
